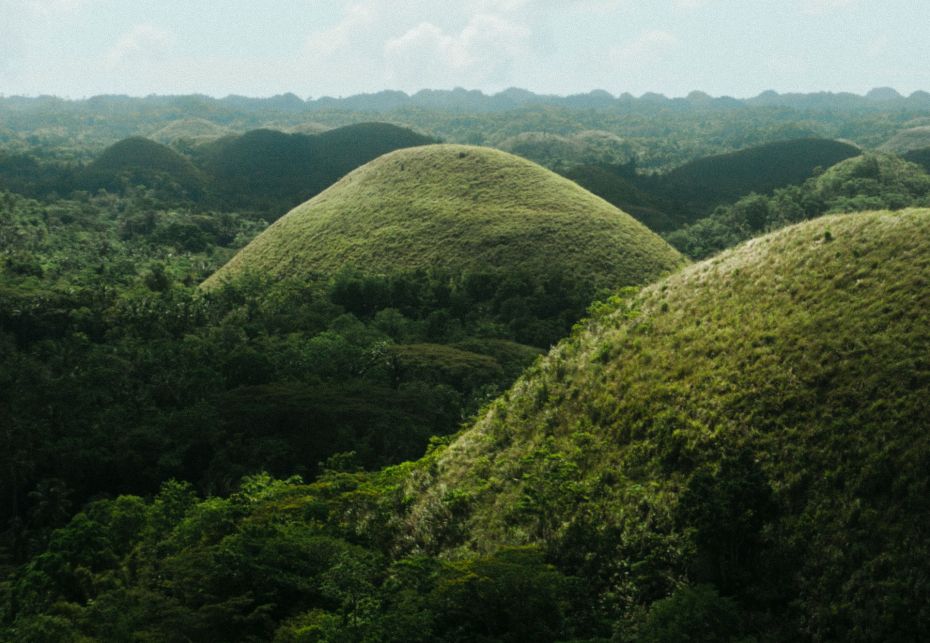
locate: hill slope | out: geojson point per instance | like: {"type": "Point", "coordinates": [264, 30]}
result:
{"type": "Point", "coordinates": [142, 161]}
{"type": "Point", "coordinates": [617, 184]}
{"type": "Point", "coordinates": [457, 208]}
{"type": "Point", "coordinates": [906, 140]}
{"type": "Point", "coordinates": [870, 181]}
{"type": "Point", "coordinates": [274, 171]}
{"type": "Point", "coordinates": [699, 185]}
{"type": "Point", "coordinates": [758, 422]}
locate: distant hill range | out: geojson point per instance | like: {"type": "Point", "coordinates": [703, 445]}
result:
{"type": "Point", "coordinates": [476, 101]}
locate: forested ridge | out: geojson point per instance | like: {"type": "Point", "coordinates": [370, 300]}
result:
{"type": "Point", "coordinates": [379, 448]}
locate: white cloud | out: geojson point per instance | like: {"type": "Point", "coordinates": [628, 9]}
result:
{"type": "Point", "coordinates": [416, 44]}
{"type": "Point", "coordinates": [645, 50]}
{"type": "Point", "coordinates": [481, 54]}
{"type": "Point", "coordinates": [141, 45]}
{"type": "Point", "coordinates": [821, 7]}
{"type": "Point", "coordinates": [331, 42]}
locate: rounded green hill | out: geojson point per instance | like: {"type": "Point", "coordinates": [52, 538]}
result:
{"type": "Point", "coordinates": [142, 161]}
{"type": "Point", "coordinates": [906, 140]}
{"type": "Point", "coordinates": [456, 208]}
{"type": "Point", "coordinates": [759, 422]}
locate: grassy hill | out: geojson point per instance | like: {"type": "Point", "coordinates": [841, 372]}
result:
{"type": "Point", "coordinates": [906, 140]}
{"type": "Point", "coordinates": [274, 171]}
{"type": "Point", "coordinates": [138, 160]}
{"type": "Point", "coordinates": [192, 129]}
{"type": "Point", "coordinates": [694, 188]}
{"type": "Point", "coordinates": [457, 208]}
{"type": "Point", "coordinates": [756, 423]}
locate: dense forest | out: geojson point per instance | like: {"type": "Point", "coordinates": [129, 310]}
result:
{"type": "Point", "coordinates": [276, 369]}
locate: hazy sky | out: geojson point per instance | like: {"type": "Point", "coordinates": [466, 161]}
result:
{"type": "Point", "coordinates": [313, 48]}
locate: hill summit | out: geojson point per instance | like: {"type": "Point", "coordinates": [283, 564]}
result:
{"type": "Point", "coordinates": [757, 422]}
{"type": "Point", "coordinates": [456, 208]}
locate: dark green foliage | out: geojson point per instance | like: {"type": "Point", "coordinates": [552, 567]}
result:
{"type": "Point", "coordinates": [262, 171]}
{"type": "Point", "coordinates": [697, 614]}
{"type": "Point", "coordinates": [919, 156]}
{"type": "Point", "coordinates": [737, 453]}
{"type": "Point", "coordinates": [272, 561]}
{"type": "Point", "coordinates": [272, 172]}
{"type": "Point", "coordinates": [727, 510]}
{"type": "Point", "coordinates": [696, 187]}
{"type": "Point", "coordinates": [139, 161]}
{"type": "Point", "coordinates": [619, 185]}
{"type": "Point", "coordinates": [125, 386]}
{"type": "Point", "coordinates": [665, 202]}
{"type": "Point", "coordinates": [871, 181]}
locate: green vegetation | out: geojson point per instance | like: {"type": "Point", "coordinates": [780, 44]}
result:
{"type": "Point", "coordinates": [726, 455]}
{"type": "Point", "coordinates": [698, 186]}
{"type": "Point", "coordinates": [868, 182]}
{"type": "Point", "coordinates": [919, 156]}
{"type": "Point", "coordinates": [272, 171]}
{"type": "Point", "coordinates": [668, 201]}
{"type": "Point", "coordinates": [555, 151]}
{"type": "Point", "coordinates": [734, 425]}
{"type": "Point", "coordinates": [907, 140]}
{"type": "Point", "coordinates": [139, 161]}
{"type": "Point", "coordinates": [457, 208]}
{"type": "Point", "coordinates": [315, 447]}
{"type": "Point", "coordinates": [262, 171]}
{"type": "Point", "coordinates": [661, 133]}
{"type": "Point", "coordinates": [622, 187]}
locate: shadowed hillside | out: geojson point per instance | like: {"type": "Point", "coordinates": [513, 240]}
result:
{"type": "Point", "coordinates": [140, 161]}
{"type": "Point", "coordinates": [871, 181]}
{"type": "Point", "coordinates": [457, 208]}
{"type": "Point", "coordinates": [694, 188]}
{"type": "Point", "coordinates": [618, 185]}
{"type": "Point", "coordinates": [920, 156]}
{"type": "Point", "coordinates": [273, 171]}
{"type": "Point", "coordinates": [756, 423]}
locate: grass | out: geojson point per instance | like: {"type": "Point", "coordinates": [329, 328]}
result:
{"type": "Point", "coordinates": [457, 208]}
{"type": "Point", "coordinates": [907, 140]}
{"type": "Point", "coordinates": [709, 181]}
{"type": "Point", "coordinates": [141, 155]}
{"type": "Point", "coordinates": [804, 353]}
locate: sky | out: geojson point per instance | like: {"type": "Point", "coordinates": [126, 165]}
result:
{"type": "Point", "coordinates": [313, 48]}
